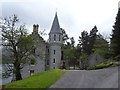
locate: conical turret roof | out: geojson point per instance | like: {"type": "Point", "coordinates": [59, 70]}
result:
{"type": "Point", "coordinates": [55, 25]}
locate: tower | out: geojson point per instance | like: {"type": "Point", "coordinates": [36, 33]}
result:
{"type": "Point", "coordinates": [55, 42]}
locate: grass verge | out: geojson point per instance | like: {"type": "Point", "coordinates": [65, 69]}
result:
{"type": "Point", "coordinates": [104, 65]}
{"type": "Point", "coordinates": [99, 66]}
{"type": "Point", "coordinates": [40, 80]}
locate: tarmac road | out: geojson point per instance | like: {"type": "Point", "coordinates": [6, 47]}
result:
{"type": "Point", "coordinates": [102, 78]}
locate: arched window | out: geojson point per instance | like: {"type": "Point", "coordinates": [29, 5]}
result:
{"type": "Point", "coordinates": [54, 37]}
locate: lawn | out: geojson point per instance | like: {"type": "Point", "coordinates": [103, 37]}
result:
{"type": "Point", "coordinates": [40, 80]}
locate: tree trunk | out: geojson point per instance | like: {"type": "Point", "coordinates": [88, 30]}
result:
{"type": "Point", "coordinates": [17, 68]}
{"type": "Point", "coordinates": [17, 71]}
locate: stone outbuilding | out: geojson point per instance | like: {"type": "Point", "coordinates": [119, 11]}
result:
{"type": "Point", "coordinates": [95, 58]}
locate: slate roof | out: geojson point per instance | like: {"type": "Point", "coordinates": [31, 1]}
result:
{"type": "Point", "coordinates": [55, 25]}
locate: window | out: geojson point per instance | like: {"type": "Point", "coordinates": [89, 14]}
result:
{"type": "Point", "coordinates": [61, 55]}
{"type": "Point", "coordinates": [54, 51]}
{"type": "Point", "coordinates": [59, 37]}
{"type": "Point", "coordinates": [31, 72]}
{"type": "Point", "coordinates": [48, 51]}
{"type": "Point", "coordinates": [32, 61]}
{"type": "Point", "coordinates": [53, 60]}
{"type": "Point", "coordinates": [47, 62]}
{"type": "Point", "coordinates": [54, 37]}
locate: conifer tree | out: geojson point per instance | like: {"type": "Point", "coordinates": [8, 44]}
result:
{"type": "Point", "coordinates": [115, 40]}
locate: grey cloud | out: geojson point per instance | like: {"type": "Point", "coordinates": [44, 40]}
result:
{"type": "Point", "coordinates": [38, 13]}
{"type": "Point", "coordinates": [26, 16]}
{"type": "Point", "coordinates": [73, 16]}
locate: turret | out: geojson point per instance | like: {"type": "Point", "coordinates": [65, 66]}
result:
{"type": "Point", "coordinates": [55, 35]}
{"type": "Point", "coordinates": [55, 42]}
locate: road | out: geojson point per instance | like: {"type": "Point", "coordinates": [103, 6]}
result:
{"type": "Point", "coordinates": [102, 78]}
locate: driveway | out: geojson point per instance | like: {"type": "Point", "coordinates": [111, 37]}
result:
{"type": "Point", "coordinates": [102, 78]}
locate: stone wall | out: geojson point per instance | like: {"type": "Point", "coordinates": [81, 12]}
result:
{"type": "Point", "coordinates": [56, 56]}
{"type": "Point", "coordinates": [39, 54]}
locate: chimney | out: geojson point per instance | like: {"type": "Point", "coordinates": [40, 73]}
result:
{"type": "Point", "coordinates": [35, 29]}
{"type": "Point", "coordinates": [37, 26]}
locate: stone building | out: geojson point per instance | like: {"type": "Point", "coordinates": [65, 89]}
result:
{"type": "Point", "coordinates": [95, 58]}
{"type": "Point", "coordinates": [47, 55]}
{"type": "Point", "coordinates": [36, 61]}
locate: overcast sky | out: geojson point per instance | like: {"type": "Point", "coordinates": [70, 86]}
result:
{"type": "Point", "coordinates": [74, 15]}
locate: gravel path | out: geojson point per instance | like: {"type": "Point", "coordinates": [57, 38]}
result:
{"type": "Point", "coordinates": [103, 78]}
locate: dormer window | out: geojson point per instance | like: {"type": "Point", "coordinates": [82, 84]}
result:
{"type": "Point", "coordinates": [54, 37]}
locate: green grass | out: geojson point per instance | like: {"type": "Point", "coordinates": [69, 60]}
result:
{"type": "Point", "coordinates": [40, 80]}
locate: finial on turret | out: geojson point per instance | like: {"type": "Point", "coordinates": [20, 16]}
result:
{"type": "Point", "coordinates": [56, 11]}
